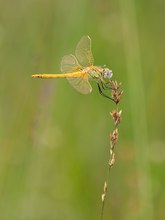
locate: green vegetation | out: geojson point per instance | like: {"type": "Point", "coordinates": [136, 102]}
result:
{"type": "Point", "coordinates": [54, 142]}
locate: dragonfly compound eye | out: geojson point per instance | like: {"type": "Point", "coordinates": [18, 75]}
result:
{"type": "Point", "coordinates": [107, 73]}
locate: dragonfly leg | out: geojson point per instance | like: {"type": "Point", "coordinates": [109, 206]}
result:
{"type": "Point", "coordinates": [103, 94]}
{"type": "Point", "coordinates": [105, 86]}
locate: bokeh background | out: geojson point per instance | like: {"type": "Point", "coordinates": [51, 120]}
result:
{"type": "Point", "coordinates": [54, 142]}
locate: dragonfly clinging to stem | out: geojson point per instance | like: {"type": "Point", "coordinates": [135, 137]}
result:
{"type": "Point", "coordinates": [79, 69]}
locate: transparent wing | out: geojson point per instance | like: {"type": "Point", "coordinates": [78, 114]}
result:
{"type": "Point", "coordinates": [81, 84]}
{"type": "Point", "coordinates": [83, 52]}
{"type": "Point", "coordinates": [69, 63]}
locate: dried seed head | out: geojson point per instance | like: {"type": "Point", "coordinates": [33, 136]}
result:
{"type": "Point", "coordinates": [115, 85]}
{"type": "Point", "coordinates": [105, 186]}
{"type": "Point", "coordinates": [103, 197]}
{"type": "Point", "coordinates": [111, 151]}
{"type": "Point", "coordinates": [112, 160]}
{"type": "Point", "coordinates": [114, 137]}
{"type": "Point", "coordinates": [116, 115]}
{"type": "Point", "coordinates": [116, 92]}
{"type": "Point", "coordinates": [116, 95]}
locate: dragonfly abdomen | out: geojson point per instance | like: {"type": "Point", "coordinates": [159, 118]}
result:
{"type": "Point", "coordinates": [60, 75]}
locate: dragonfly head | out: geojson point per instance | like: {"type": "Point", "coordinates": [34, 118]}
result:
{"type": "Point", "coordinates": [107, 73]}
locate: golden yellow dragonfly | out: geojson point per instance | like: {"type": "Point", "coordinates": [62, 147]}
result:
{"type": "Point", "coordinates": [79, 69]}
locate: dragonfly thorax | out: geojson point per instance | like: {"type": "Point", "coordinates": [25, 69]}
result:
{"type": "Point", "coordinates": [99, 73]}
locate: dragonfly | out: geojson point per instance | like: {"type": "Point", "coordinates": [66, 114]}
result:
{"type": "Point", "coordinates": [79, 69]}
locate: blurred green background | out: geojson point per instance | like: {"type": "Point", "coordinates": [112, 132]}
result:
{"type": "Point", "coordinates": [54, 142]}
